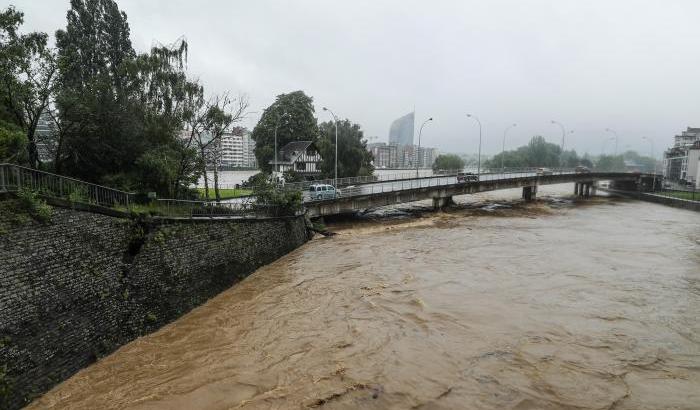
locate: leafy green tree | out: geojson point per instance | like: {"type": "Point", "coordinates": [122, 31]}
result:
{"type": "Point", "coordinates": [537, 153]}
{"type": "Point", "coordinates": [97, 72]}
{"type": "Point", "coordinates": [610, 163]}
{"type": "Point", "coordinates": [646, 163]}
{"type": "Point", "coordinates": [119, 113]}
{"type": "Point", "coordinates": [27, 77]}
{"type": "Point", "coordinates": [298, 125]}
{"type": "Point", "coordinates": [13, 143]}
{"type": "Point", "coordinates": [448, 161]}
{"type": "Point", "coordinates": [353, 157]}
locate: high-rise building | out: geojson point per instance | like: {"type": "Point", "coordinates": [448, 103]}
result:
{"type": "Point", "coordinates": [401, 131]}
{"type": "Point", "coordinates": [45, 135]}
{"type": "Point", "coordinates": [237, 149]}
{"type": "Point", "coordinates": [385, 156]}
{"type": "Point", "coordinates": [682, 161]}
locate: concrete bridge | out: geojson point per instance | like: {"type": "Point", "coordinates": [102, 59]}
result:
{"type": "Point", "coordinates": [442, 188]}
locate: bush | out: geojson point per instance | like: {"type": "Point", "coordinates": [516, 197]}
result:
{"type": "Point", "coordinates": [36, 207]}
{"type": "Point", "coordinates": [289, 202]}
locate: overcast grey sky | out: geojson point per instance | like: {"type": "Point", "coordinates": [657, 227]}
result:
{"type": "Point", "coordinates": [632, 65]}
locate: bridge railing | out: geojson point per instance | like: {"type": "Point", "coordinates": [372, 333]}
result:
{"type": "Point", "coordinates": [404, 175]}
{"type": "Point", "coordinates": [441, 180]}
{"type": "Point", "coordinates": [14, 178]}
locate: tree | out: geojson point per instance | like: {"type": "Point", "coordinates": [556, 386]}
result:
{"type": "Point", "coordinates": [299, 125]}
{"type": "Point", "coordinates": [448, 161]}
{"type": "Point", "coordinates": [97, 77]}
{"type": "Point", "coordinates": [13, 143]}
{"type": "Point", "coordinates": [220, 113]}
{"type": "Point", "coordinates": [27, 76]}
{"type": "Point", "coordinates": [537, 153]}
{"type": "Point", "coordinates": [610, 163]}
{"type": "Point", "coordinates": [353, 157]}
{"type": "Point", "coordinates": [119, 114]}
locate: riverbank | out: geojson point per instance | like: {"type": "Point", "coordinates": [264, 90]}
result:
{"type": "Point", "coordinates": [76, 285]}
{"type": "Point", "coordinates": [658, 199]}
{"type": "Point", "coordinates": [482, 307]}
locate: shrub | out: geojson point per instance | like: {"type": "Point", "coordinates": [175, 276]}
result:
{"type": "Point", "coordinates": [36, 207]}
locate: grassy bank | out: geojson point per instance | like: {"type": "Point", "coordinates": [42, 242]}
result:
{"type": "Point", "coordinates": [681, 195]}
{"type": "Point", "coordinates": [226, 193]}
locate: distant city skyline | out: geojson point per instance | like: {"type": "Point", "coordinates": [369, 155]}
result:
{"type": "Point", "coordinates": [626, 65]}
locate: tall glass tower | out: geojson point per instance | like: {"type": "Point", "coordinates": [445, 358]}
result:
{"type": "Point", "coordinates": [401, 131]}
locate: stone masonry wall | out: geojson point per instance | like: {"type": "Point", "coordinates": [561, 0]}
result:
{"type": "Point", "coordinates": [76, 288]}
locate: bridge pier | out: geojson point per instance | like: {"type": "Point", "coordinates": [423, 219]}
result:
{"type": "Point", "coordinates": [530, 193]}
{"type": "Point", "coordinates": [441, 202]}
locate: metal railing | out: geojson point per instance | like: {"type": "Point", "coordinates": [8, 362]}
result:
{"type": "Point", "coordinates": [686, 194]}
{"type": "Point", "coordinates": [175, 208]}
{"type": "Point", "coordinates": [404, 175]}
{"type": "Point", "coordinates": [439, 180]}
{"type": "Point", "coordinates": [14, 178]}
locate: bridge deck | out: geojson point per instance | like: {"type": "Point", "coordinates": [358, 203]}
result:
{"type": "Point", "coordinates": [384, 193]}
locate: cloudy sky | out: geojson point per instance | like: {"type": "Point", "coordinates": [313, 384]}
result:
{"type": "Point", "coordinates": [630, 65]}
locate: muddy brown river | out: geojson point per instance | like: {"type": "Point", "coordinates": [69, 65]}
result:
{"type": "Point", "coordinates": [552, 305]}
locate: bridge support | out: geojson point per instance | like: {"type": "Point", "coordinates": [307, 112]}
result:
{"type": "Point", "coordinates": [584, 189]}
{"type": "Point", "coordinates": [530, 193]}
{"type": "Point", "coordinates": [441, 202]}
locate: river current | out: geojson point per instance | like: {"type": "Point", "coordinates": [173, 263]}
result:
{"type": "Point", "coordinates": [550, 305]}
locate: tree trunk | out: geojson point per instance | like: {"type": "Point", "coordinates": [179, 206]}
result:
{"type": "Point", "coordinates": [216, 182]}
{"type": "Point", "coordinates": [206, 177]}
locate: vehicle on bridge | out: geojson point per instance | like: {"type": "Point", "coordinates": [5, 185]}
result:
{"type": "Point", "coordinates": [544, 171]}
{"type": "Point", "coordinates": [582, 170]}
{"type": "Point", "coordinates": [323, 191]}
{"type": "Point", "coordinates": [463, 177]}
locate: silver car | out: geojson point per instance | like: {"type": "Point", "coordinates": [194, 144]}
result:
{"type": "Point", "coordinates": [323, 191]}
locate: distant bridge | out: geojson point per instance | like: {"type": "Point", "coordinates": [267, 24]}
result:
{"type": "Point", "coordinates": [369, 194]}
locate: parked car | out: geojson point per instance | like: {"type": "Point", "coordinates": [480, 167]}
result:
{"type": "Point", "coordinates": [582, 170]}
{"type": "Point", "coordinates": [323, 191]}
{"type": "Point", "coordinates": [463, 177]}
{"type": "Point", "coordinates": [544, 171]}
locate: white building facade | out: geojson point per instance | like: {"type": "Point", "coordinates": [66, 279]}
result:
{"type": "Point", "coordinates": [682, 161]}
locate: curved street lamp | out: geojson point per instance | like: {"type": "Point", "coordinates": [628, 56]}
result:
{"type": "Point", "coordinates": [478, 166]}
{"type": "Point", "coordinates": [335, 120]}
{"type": "Point", "coordinates": [277, 125]}
{"type": "Point", "coordinates": [651, 142]}
{"type": "Point", "coordinates": [418, 150]}
{"type": "Point", "coordinates": [503, 148]}
{"type": "Point", "coordinates": [616, 138]}
{"type": "Point", "coordinates": [605, 144]}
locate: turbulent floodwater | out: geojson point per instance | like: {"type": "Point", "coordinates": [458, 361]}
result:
{"type": "Point", "coordinates": [542, 306]}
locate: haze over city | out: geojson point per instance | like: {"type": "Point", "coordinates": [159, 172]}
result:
{"type": "Point", "coordinates": [627, 65]}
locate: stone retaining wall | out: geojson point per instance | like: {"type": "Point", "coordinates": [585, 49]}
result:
{"type": "Point", "coordinates": [78, 287]}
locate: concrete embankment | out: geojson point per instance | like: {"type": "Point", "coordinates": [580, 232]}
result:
{"type": "Point", "coordinates": [659, 199]}
{"type": "Point", "coordinates": [78, 286]}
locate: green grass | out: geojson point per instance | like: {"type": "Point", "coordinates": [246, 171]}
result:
{"type": "Point", "coordinates": [225, 193]}
{"type": "Point", "coordinates": [681, 194]}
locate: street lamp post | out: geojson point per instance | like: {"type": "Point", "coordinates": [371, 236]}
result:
{"type": "Point", "coordinates": [616, 138]}
{"type": "Point", "coordinates": [563, 140]}
{"type": "Point", "coordinates": [335, 120]}
{"type": "Point", "coordinates": [418, 150]}
{"type": "Point", "coordinates": [503, 148]}
{"type": "Point", "coordinates": [651, 142]}
{"type": "Point", "coordinates": [277, 125]}
{"type": "Point", "coordinates": [478, 166]}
